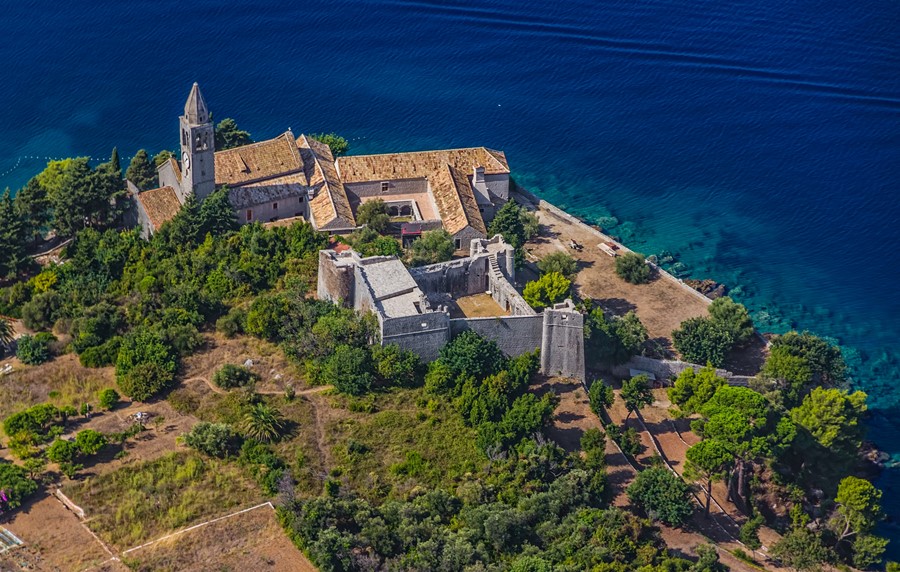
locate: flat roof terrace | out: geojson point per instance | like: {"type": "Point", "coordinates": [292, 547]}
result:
{"type": "Point", "coordinates": [475, 306]}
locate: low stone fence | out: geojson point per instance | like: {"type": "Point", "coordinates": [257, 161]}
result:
{"type": "Point", "coordinates": [69, 504]}
{"type": "Point", "coordinates": [666, 369]}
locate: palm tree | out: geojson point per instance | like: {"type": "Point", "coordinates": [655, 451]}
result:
{"type": "Point", "coordinates": [263, 423]}
{"type": "Point", "coordinates": [6, 331]}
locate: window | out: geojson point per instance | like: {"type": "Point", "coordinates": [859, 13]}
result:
{"type": "Point", "coordinates": [249, 214]}
{"type": "Point", "coordinates": [385, 186]}
{"type": "Point", "coordinates": [274, 206]}
{"type": "Point", "coordinates": [301, 199]}
{"type": "Point", "coordinates": [458, 243]}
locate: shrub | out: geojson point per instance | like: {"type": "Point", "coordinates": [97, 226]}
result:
{"type": "Point", "coordinates": [546, 290]}
{"type": "Point", "coordinates": [632, 268]}
{"type": "Point", "coordinates": [560, 262]}
{"type": "Point", "coordinates": [432, 247]}
{"type": "Point", "coordinates": [374, 214]}
{"type": "Point", "coordinates": [750, 532]}
{"type": "Point", "coordinates": [230, 376]}
{"type": "Point", "coordinates": [62, 451]}
{"type": "Point", "coordinates": [395, 366]}
{"type": "Point", "coordinates": [89, 442]}
{"type": "Point", "coordinates": [108, 398]}
{"type": "Point", "coordinates": [34, 350]}
{"type": "Point", "coordinates": [662, 495]}
{"type": "Point", "coordinates": [611, 340]}
{"type": "Point", "coordinates": [703, 341]}
{"type": "Point", "coordinates": [213, 439]}
{"type": "Point", "coordinates": [102, 355]}
{"type": "Point", "coordinates": [232, 323]}
{"type": "Point", "coordinates": [42, 311]}
{"type": "Point", "coordinates": [630, 442]}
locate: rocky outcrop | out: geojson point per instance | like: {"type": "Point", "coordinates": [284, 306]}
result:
{"type": "Point", "coordinates": [709, 288]}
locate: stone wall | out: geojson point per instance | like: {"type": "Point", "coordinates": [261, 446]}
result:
{"type": "Point", "coordinates": [666, 369]}
{"type": "Point", "coordinates": [562, 344]}
{"type": "Point", "coordinates": [457, 277]}
{"type": "Point", "coordinates": [286, 207]}
{"type": "Point", "coordinates": [335, 281]}
{"type": "Point", "coordinates": [514, 334]}
{"type": "Point", "coordinates": [508, 297]}
{"type": "Point", "coordinates": [424, 334]}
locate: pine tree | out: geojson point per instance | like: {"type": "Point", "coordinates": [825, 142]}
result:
{"type": "Point", "coordinates": [140, 172]}
{"type": "Point", "coordinates": [114, 161]}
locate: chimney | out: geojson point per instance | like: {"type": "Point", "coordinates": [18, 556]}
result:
{"type": "Point", "coordinates": [479, 174]}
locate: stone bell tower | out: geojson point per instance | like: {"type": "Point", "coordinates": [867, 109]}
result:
{"type": "Point", "coordinates": [198, 175]}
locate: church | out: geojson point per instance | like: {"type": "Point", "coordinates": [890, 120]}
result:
{"type": "Point", "coordinates": [297, 177]}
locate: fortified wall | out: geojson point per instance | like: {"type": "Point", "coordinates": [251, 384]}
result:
{"type": "Point", "coordinates": [421, 309]}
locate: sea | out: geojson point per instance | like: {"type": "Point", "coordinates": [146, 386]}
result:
{"type": "Point", "coordinates": [753, 142]}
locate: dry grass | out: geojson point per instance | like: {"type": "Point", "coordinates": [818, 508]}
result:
{"type": "Point", "coordinates": [62, 381]}
{"type": "Point", "coordinates": [139, 503]}
{"type": "Point", "coordinates": [268, 361]}
{"type": "Point", "coordinates": [250, 541]}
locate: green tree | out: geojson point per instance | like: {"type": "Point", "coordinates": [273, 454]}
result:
{"type": "Point", "coordinates": [432, 247]}
{"type": "Point", "coordinates": [145, 365]}
{"type": "Point", "coordinates": [14, 482]}
{"type": "Point", "coordinates": [472, 355]}
{"type": "Point", "coordinates": [108, 398]}
{"type": "Point", "coordinates": [692, 390]}
{"type": "Point", "coordinates": [601, 396]}
{"type": "Point", "coordinates": [868, 550]}
{"type": "Point", "coordinates": [703, 341]}
{"type": "Point", "coordinates": [337, 144]}
{"type": "Point", "coordinates": [802, 550]}
{"type": "Point", "coordinates": [560, 262]}
{"type": "Point", "coordinates": [89, 441]}
{"type": "Point", "coordinates": [707, 560]}
{"type": "Point", "coordinates": [114, 164]}
{"type": "Point", "coordinates": [631, 267]}
{"type": "Point", "coordinates": [263, 423]}
{"type": "Point", "coordinates": [213, 439]}
{"type": "Point", "coordinates": [33, 210]}
{"type": "Point", "coordinates": [636, 394]}
{"type": "Point", "coordinates": [709, 461]}
{"type": "Point", "coordinates": [13, 237]}
{"type": "Point", "coordinates": [612, 340]}
{"type": "Point", "coordinates": [662, 495]}
{"type": "Point", "coordinates": [857, 508]}
{"type": "Point", "coordinates": [368, 242]}
{"type": "Point", "coordinates": [216, 215]}
{"type": "Point", "coordinates": [140, 172]}
{"type": "Point", "coordinates": [349, 370]}
{"type": "Point", "coordinates": [395, 366]}
{"type": "Point", "coordinates": [789, 374]}
{"type": "Point", "coordinates": [62, 451]}
{"type": "Point", "coordinates": [825, 360]}
{"type": "Point", "coordinates": [547, 290]}
{"type": "Point", "coordinates": [834, 429]}
{"type": "Point", "coordinates": [374, 214]}
{"type": "Point", "coordinates": [42, 310]}
{"type": "Point", "coordinates": [161, 158]}
{"type": "Point", "coordinates": [229, 136]}
{"type": "Point", "coordinates": [732, 317]}
{"type": "Point", "coordinates": [508, 223]}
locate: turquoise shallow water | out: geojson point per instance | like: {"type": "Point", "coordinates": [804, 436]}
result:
{"type": "Point", "coordinates": [758, 141]}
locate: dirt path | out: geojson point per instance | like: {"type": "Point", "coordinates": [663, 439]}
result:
{"type": "Point", "coordinates": [216, 389]}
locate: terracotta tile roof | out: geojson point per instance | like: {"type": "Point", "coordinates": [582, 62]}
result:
{"type": "Point", "coordinates": [419, 164]}
{"type": "Point", "coordinates": [277, 188]}
{"type": "Point", "coordinates": [330, 205]}
{"type": "Point", "coordinates": [455, 201]}
{"type": "Point", "coordinates": [175, 168]}
{"type": "Point", "coordinates": [258, 161]}
{"type": "Point", "coordinates": [161, 205]}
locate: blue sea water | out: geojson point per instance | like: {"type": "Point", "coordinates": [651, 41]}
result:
{"type": "Point", "coordinates": [757, 140]}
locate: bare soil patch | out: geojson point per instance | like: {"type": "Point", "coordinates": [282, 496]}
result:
{"type": "Point", "coordinates": [250, 541]}
{"type": "Point", "coordinates": [661, 305]}
{"type": "Point", "coordinates": [573, 415]}
{"type": "Point", "coordinates": [476, 306]}
{"type": "Point", "coordinates": [54, 539]}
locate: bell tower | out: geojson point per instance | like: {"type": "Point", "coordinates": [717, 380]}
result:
{"type": "Point", "coordinates": [198, 175]}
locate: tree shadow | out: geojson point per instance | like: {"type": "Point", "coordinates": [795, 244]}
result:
{"type": "Point", "coordinates": [660, 347]}
{"type": "Point", "coordinates": [616, 306]}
